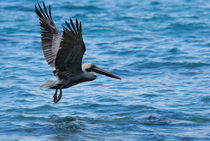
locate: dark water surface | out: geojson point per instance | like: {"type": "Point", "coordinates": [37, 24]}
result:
{"type": "Point", "coordinates": [161, 49]}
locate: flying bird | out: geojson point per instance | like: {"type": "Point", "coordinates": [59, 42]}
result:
{"type": "Point", "coordinates": [64, 52]}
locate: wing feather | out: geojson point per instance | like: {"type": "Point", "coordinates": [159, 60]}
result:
{"type": "Point", "coordinates": [71, 51]}
{"type": "Point", "coordinates": [50, 36]}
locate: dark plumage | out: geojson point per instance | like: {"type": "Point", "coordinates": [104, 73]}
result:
{"type": "Point", "coordinates": [65, 52]}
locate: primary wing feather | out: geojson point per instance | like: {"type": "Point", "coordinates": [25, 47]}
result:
{"type": "Point", "coordinates": [72, 48]}
{"type": "Point", "coordinates": [50, 37]}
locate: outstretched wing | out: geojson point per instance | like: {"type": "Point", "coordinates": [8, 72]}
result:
{"type": "Point", "coordinates": [50, 37]}
{"type": "Point", "coordinates": [72, 48]}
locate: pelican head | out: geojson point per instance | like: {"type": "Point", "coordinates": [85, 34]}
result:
{"type": "Point", "coordinates": [91, 68]}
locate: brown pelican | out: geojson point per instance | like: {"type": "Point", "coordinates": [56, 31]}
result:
{"type": "Point", "coordinates": [65, 52]}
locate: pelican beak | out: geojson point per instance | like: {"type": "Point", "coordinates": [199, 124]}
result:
{"type": "Point", "coordinates": [101, 71]}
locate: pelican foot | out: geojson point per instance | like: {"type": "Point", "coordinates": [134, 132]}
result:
{"type": "Point", "coordinates": [57, 98]}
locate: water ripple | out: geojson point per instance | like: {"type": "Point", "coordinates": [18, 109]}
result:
{"type": "Point", "coordinates": [159, 48]}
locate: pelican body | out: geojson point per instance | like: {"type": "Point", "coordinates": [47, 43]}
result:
{"type": "Point", "coordinates": [64, 52]}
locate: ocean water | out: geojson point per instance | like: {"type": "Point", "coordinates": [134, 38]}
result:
{"type": "Point", "coordinates": [161, 49]}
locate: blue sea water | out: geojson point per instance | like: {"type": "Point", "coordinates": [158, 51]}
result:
{"type": "Point", "coordinates": [161, 49]}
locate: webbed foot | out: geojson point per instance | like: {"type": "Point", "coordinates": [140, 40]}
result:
{"type": "Point", "coordinates": [57, 98]}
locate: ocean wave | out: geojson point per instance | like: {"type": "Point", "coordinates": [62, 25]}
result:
{"type": "Point", "coordinates": [190, 28]}
{"type": "Point", "coordinates": [84, 7]}
{"type": "Point", "coordinates": [168, 65]}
